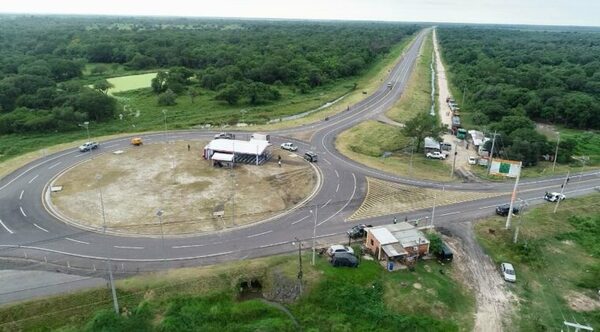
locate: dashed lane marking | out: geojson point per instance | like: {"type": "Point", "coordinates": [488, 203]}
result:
{"type": "Point", "coordinates": [336, 173]}
{"type": "Point", "coordinates": [58, 163]}
{"type": "Point", "coordinates": [326, 203]}
{"type": "Point", "coordinates": [128, 247]}
{"type": "Point", "coordinates": [40, 227]}
{"type": "Point", "coordinates": [22, 212]}
{"type": "Point", "coordinates": [5, 227]}
{"type": "Point", "coordinates": [35, 177]}
{"type": "Point", "coordinates": [297, 221]}
{"type": "Point", "coordinates": [188, 246]}
{"type": "Point", "coordinates": [274, 244]}
{"type": "Point", "coordinates": [76, 241]}
{"type": "Point", "coordinates": [21, 196]}
{"type": "Point", "coordinates": [111, 146]}
{"type": "Point", "coordinates": [259, 234]}
{"type": "Point", "coordinates": [450, 213]}
{"type": "Point", "coordinates": [337, 188]}
{"type": "Point", "coordinates": [345, 205]}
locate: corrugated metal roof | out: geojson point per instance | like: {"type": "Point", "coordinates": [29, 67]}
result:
{"type": "Point", "coordinates": [383, 235]}
{"type": "Point", "coordinates": [394, 250]}
{"type": "Point", "coordinates": [252, 147]}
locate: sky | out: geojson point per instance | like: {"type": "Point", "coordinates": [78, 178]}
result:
{"type": "Point", "coordinates": [544, 12]}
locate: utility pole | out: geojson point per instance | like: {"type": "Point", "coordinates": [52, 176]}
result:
{"type": "Point", "coordinates": [578, 327]}
{"type": "Point", "coordinates": [555, 153]}
{"type": "Point", "coordinates": [314, 249]}
{"type": "Point", "coordinates": [299, 262]}
{"type": "Point", "coordinates": [453, 163]}
{"type": "Point", "coordinates": [514, 195]}
{"type": "Point", "coordinates": [412, 150]}
{"type": "Point", "coordinates": [562, 189]}
{"type": "Point", "coordinates": [492, 154]}
{"type": "Point", "coordinates": [159, 214]}
{"type": "Point", "coordinates": [523, 204]}
{"type": "Point", "coordinates": [108, 263]}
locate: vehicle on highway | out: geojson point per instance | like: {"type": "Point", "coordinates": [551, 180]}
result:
{"type": "Point", "coordinates": [502, 210]}
{"type": "Point", "coordinates": [289, 146]}
{"type": "Point", "coordinates": [344, 259]}
{"type": "Point", "coordinates": [472, 161]}
{"type": "Point", "coordinates": [311, 156]}
{"type": "Point", "coordinates": [389, 85]}
{"type": "Point", "coordinates": [358, 231]}
{"type": "Point", "coordinates": [554, 196]}
{"type": "Point", "coordinates": [337, 248]}
{"type": "Point", "coordinates": [224, 136]}
{"type": "Point", "coordinates": [435, 155]}
{"type": "Point", "coordinates": [87, 146]}
{"type": "Point", "coordinates": [508, 272]}
{"type": "Point", "coordinates": [137, 141]}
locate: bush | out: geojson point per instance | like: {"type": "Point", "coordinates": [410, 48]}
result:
{"type": "Point", "coordinates": [168, 98]}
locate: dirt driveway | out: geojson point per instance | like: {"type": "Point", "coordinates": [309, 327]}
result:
{"type": "Point", "coordinates": [492, 296]}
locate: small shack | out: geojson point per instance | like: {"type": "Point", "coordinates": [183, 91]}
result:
{"type": "Point", "coordinates": [237, 151]}
{"type": "Point", "coordinates": [396, 242]}
{"type": "Point", "coordinates": [431, 145]}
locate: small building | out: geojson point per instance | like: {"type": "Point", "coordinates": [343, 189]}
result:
{"type": "Point", "coordinates": [237, 151]}
{"type": "Point", "coordinates": [396, 242]}
{"type": "Point", "coordinates": [431, 145]}
{"type": "Point", "coordinates": [477, 138]}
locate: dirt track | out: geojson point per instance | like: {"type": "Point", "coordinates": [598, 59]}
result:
{"type": "Point", "coordinates": [492, 296]}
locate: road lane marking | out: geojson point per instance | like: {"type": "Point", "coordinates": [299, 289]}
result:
{"type": "Point", "coordinates": [80, 155]}
{"type": "Point", "coordinates": [32, 167]}
{"type": "Point", "coordinates": [450, 213]}
{"type": "Point", "coordinates": [336, 173]}
{"type": "Point", "coordinates": [22, 212]}
{"type": "Point", "coordinates": [337, 188]}
{"type": "Point", "coordinates": [327, 161]}
{"type": "Point", "coordinates": [7, 229]}
{"type": "Point", "coordinates": [35, 177]}
{"type": "Point", "coordinates": [486, 207]}
{"type": "Point", "coordinates": [21, 196]}
{"type": "Point", "coordinates": [326, 203]}
{"type": "Point", "coordinates": [111, 146]}
{"type": "Point", "coordinates": [273, 244]}
{"type": "Point", "coordinates": [40, 227]}
{"type": "Point", "coordinates": [259, 234]}
{"type": "Point", "coordinates": [58, 163]}
{"type": "Point", "coordinates": [76, 241]}
{"type": "Point", "coordinates": [297, 221]}
{"type": "Point", "coordinates": [188, 246]}
{"type": "Point", "coordinates": [345, 205]}
{"type": "Point", "coordinates": [128, 247]}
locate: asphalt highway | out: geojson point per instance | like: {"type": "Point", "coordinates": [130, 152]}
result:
{"type": "Point", "coordinates": [29, 231]}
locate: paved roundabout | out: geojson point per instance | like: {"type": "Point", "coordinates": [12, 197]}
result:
{"type": "Point", "coordinates": [29, 231]}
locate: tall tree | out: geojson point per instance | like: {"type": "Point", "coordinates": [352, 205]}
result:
{"type": "Point", "coordinates": [421, 126]}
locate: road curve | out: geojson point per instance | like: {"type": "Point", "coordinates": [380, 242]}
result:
{"type": "Point", "coordinates": [28, 231]}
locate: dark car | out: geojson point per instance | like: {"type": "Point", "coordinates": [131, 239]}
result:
{"type": "Point", "coordinates": [358, 231]}
{"type": "Point", "coordinates": [224, 136]}
{"type": "Point", "coordinates": [311, 156]}
{"type": "Point", "coordinates": [344, 259]}
{"type": "Point", "coordinates": [502, 210]}
{"type": "Point", "coordinates": [445, 254]}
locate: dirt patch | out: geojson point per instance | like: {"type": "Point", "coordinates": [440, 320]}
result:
{"type": "Point", "coordinates": [581, 302]}
{"type": "Point", "coordinates": [136, 184]}
{"type": "Point", "coordinates": [477, 271]}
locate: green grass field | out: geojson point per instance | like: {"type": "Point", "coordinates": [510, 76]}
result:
{"type": "Point", "coordinates": [557, 260]}
{"type": "Point", "coordinates": [334, 299]}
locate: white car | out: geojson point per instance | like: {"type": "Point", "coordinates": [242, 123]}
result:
{"type": "Point", "coordinates": [508, 272]}
{"type": "Point", "coordinates": [289, 146]}
{"type": "Point", "coordinates": [435, 155]}
{"type": "Point", "coordinates": [553, 197]}
{"type": "Point", "coordinates": [339, 248]}
{"type": "Point", "coordinates": [87, 146]}
{"type": "Point", "coordinates": [472, 161]}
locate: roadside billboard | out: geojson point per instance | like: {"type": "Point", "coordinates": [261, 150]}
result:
{"type": "Point", "coordinates": [509, 168]}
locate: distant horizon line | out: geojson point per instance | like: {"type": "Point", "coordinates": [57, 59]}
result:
{"type": "Point", "coordinates": [291, 19]}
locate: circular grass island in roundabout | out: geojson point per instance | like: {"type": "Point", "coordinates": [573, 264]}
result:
{"type": "Point", "coordinates": [194, 196]}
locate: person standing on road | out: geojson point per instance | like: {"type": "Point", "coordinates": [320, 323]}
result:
{"type": "Point", "coordinates": [189, 147]}
{"type": "Point", "coordinates": [279, 163]}
{"type": "Point", "coordinates": [395, 220]}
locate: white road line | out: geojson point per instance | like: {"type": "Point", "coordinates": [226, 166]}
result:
{"type": "Point", "coordinates": [22, 212]}
{"type": "Point", "coordinates": [58, 163]}
{"type": "Point", "coordinates": [326, 203]}
{"type": "Point", "coordinates": [450, 213]}
{"type": "Point", "coordinates": [32, 167]}
{"type": "Point", "coordinates": [40, 227]}
{"type": "Point", "coordinates": [76, 241]}
{"type": "Point", "coordinates": [21, 196]}
{"type": "Point", "coordinates": [327, 161]}
{"type": "Point", "coordinates": [273, 244]}
{"type": "Point", "coordinates": [80, 155]}
{"type": "Point", "coordinates": [7, 229]}
{"type": "Point", "coordinates": [111, 146]}
{"type": "Point", "coordinates": [343, 207]}
{"type": "Point", "coordinates": [35, 177]}
{"type": "Point", "coordinates": [127, 247]}
{"type": "Point", "coordinates": [259, 234]}
{"type": "Point", "coordinates": [486, 207]}
{"type": "Point", "coordinates": [337, 188]}
{"type": "Point", "coordinates": [297, 221]}
{"type": "Point", "coordinates": [336, 173]}
{"type": "Point", "coordinates": [327, 235]}
{"type": "Point", "coordinates": [188, 246]}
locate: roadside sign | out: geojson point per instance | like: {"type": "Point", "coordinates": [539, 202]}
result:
{"type": "Point", "coordinates": [509, 168]}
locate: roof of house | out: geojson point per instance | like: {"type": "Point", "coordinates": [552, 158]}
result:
{"type": "Point", "coordinates": [252, 147]}
{"type": "Point", "coordinates": [477, 136]}
{"type": "Point", "coordinates": [406, 234]}
{"type": "Point", "coordinates": [382, 235]}
{"type": "Point", "coordinates": [393, 250]}
{"type": "Point", "coordinates": [431, 143]}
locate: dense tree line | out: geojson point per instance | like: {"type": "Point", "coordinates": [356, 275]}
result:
{"type": "Point", "coordinates": [42, 57]}
{"type": "Point", "coordinates": [514, 77]}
